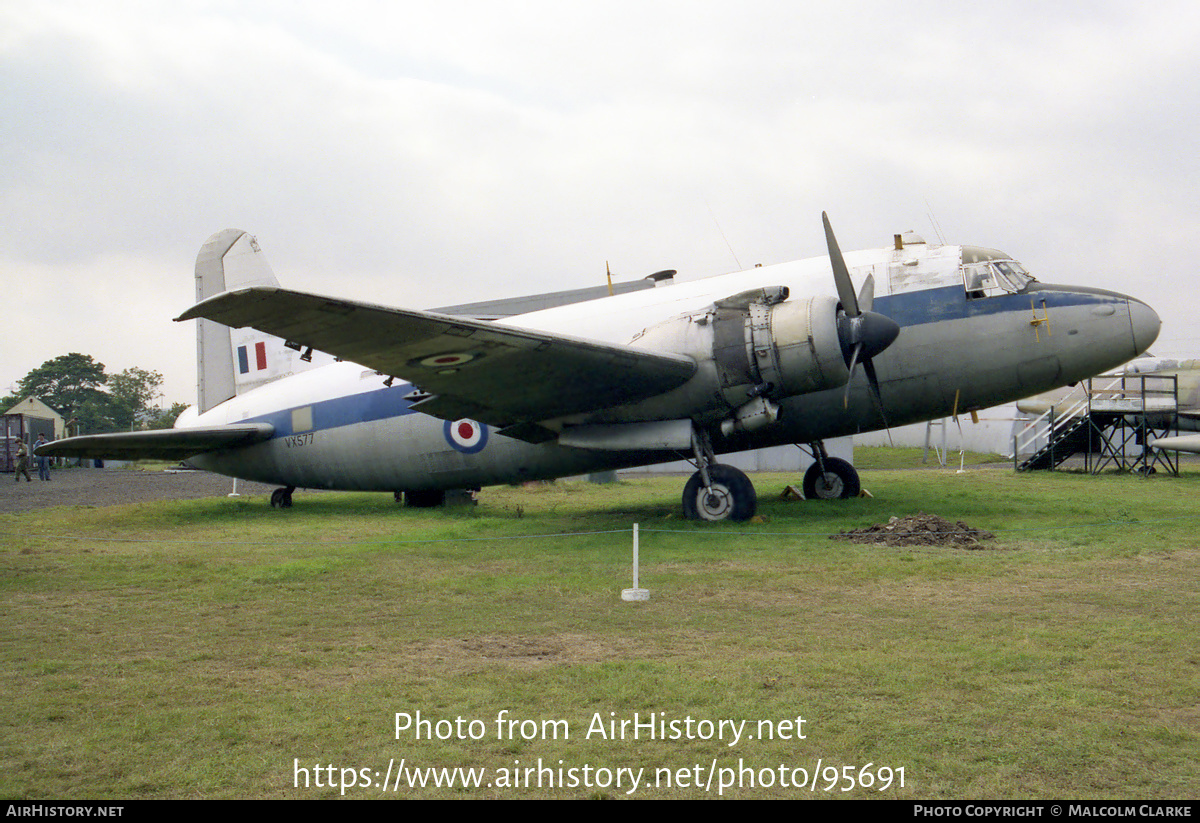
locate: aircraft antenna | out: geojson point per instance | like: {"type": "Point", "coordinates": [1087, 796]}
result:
{"type": "Point", "coordinates": [723, 237]}
{"type": "Point", "coordinates": [933, 220]}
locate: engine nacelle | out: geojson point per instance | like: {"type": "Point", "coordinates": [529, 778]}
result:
{"type": "Point", "coordinates": [796, 347]}
{"type": "Point", "coordinates": [754, 345]}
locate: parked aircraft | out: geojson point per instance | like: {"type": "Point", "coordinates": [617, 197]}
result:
{"type": "Point", "coordinates": [422, 402]}
{"type": "Point", "coordinates": [1163, 378]}
{"type": "Point", "coordinates": [1164, 394]}
{"type": "Point", "coordinates": [1186, 374]}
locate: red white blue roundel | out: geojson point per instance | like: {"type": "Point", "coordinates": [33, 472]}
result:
{"type": "Point", "coordinates": [466, 436]}
{"type": "Point", "coordinates": [447, 360]}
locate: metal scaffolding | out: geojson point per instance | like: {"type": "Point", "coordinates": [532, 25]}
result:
{"type": "Point", "coordinates": [1110, 420]}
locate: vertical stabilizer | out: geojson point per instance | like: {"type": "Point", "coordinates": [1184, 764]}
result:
{"type": "Point", "coordinates": [234, 361]}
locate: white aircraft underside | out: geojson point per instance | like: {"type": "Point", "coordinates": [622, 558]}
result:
{"type": "Point", "coordinates": [424, 402]}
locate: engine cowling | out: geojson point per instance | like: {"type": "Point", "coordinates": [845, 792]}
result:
{"type": "Point", "coordinates": [755, 348]}
{"type": "Point", "coordinates": [796, 346]}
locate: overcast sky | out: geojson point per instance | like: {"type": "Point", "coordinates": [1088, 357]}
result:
{"type": "Point", "coordinates": [422, 154]}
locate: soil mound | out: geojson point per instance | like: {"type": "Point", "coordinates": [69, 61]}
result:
{"type": "Point", "coordinates": [919, 530]}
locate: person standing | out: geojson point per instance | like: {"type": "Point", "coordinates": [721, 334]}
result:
{"type": "Point", "coordinates": [43, 461]}
{"type": "Point", "coordinates": [22, 463]}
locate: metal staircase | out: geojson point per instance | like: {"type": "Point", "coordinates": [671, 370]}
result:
{"type": "Point", "coordinates": [1109, 424]}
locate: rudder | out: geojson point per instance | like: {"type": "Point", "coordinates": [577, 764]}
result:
{"type": "Point", "coordinates": [229, 361]}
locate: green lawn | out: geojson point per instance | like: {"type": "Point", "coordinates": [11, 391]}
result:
{"type": "Point", "coordinates": [221, 648]}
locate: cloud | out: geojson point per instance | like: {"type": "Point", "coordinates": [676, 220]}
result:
{"type": "Point", "coordinates": [424, 154]}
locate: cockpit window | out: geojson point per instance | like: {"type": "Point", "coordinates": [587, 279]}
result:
{"type": "Point", "coordinates": [1014, 273]}
{"type": "Point", "coordinates": [986, 276]}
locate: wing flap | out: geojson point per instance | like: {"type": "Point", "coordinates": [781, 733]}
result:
{"type": "Point", "coordinates": [497, 374]}
{"type": "Point", "coordinates": [160, 444]}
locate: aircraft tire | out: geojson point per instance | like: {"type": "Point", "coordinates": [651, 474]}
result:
{"type": "Point", "coordinates": [839, 481]}
{"type": "Point", "coordinates": [732, 496]}
{"type": "Point", "coordinates": [281, 498]}
{"type": "Point", "coordinates": [427, 499]}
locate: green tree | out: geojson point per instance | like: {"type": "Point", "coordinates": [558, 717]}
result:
{"type": "Point", "coordinates": [165, 418]}
{"type": "Point", "coordinates": [71, 384]}
{"type": "Point", "coordinates": [67, 384]}
{"type": "Point", "coordinates": [131, 392]}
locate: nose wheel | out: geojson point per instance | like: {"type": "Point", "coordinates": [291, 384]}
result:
{"type": "Point", "coordinates": [282, 498]}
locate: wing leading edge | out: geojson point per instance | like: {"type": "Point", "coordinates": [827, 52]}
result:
{"type": "Point", "coordinates": [161, 444]}
{"type": "Point", "coordinates": [500, 375]}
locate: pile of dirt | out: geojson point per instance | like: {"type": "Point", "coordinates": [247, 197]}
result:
{"type": "Point", "coordinates": [918, 530]}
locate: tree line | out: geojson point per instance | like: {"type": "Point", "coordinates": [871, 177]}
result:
{"type": "Point", "coordinates": [78, 388]}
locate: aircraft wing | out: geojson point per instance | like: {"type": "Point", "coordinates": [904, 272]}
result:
{"type": "Point", "coordinates": [1180, 443]}
{"type": "Point", "coordinates": [160, 444]}
{"type": "Point", "coordinates": [496, 374]}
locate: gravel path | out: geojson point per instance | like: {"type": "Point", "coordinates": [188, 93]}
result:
{"type": "Point", "coordinates": [112, 487]}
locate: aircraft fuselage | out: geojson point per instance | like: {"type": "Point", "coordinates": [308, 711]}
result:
{"type": "Point", "coordinates": [959, 348]}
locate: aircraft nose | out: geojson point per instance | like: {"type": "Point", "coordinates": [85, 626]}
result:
{"type": "Point", "coordinates": [1145, 323]}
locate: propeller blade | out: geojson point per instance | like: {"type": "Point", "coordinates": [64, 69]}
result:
{"type": "Point", "coordinates": [866, 331]}
{"type": "Point", "coordinates": [866, 297]}
{"type": "Point", "coordinates": [873, 382]}
{"type": "Point", "coordinates": [850, 381]}
{"type": "Point", "coordinates": [841, 275]}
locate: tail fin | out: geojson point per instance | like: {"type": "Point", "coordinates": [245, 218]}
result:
{"type": "Point", "coordinates": [229, 361]}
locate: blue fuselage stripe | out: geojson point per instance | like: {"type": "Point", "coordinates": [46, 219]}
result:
{"type": "Point", "coordinates": [909, 309]}
{"type": "Point", "coordinates": [364, 407]}
{"type": "Point", "coordinates": [917, 308]}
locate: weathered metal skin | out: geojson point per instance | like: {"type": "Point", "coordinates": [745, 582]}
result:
{"type": "Point", "coordinates": [953, 353]}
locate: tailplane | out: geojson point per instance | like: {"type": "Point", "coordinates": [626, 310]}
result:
{"type": "Point", "coordinates": [229, 361]}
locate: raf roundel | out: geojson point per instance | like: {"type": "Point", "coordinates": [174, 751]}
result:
{"type": "Point", "coordinates": [447, 360]}
{"type": "Point", "coordinates": [466, 436]}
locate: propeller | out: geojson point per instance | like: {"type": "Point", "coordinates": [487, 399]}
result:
{"type": "Point", "coordinates": [866, 333]}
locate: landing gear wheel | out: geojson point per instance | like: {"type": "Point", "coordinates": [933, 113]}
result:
{"type": "Point", "coordinates": [838, 481]}
{"type": "Point", "coordinates": [731, 497]}
{"type": "Point", "coordinates": [282, 498]}
{"type": "Point", "coordinates": [425, 499]}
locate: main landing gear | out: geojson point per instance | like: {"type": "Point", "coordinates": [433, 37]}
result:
{"type": "Point", "coordinates": [282, 498]}
{"type": "Point", "coordinates": [716, 491]}
{"type": "Point", "coordinates": [830, 478]}
{"type": "Point", "coordinates": [720, 492]}
{"type": "Point", "coordinates": [729, 496]}
{"type": "Point", "coordinates": [427, 499]}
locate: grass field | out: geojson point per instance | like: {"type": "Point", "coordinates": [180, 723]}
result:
{"type": "Point", "coordinates": [220, 648]}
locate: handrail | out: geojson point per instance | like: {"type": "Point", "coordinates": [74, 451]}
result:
{"type": "Point", "coordinates": [1093, 399]}
{"type": "Point", "coordinates": [1078, 409]}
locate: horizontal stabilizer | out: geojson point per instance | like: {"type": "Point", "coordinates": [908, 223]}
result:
{"type": "Point", "coordinates": [160, 444]}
